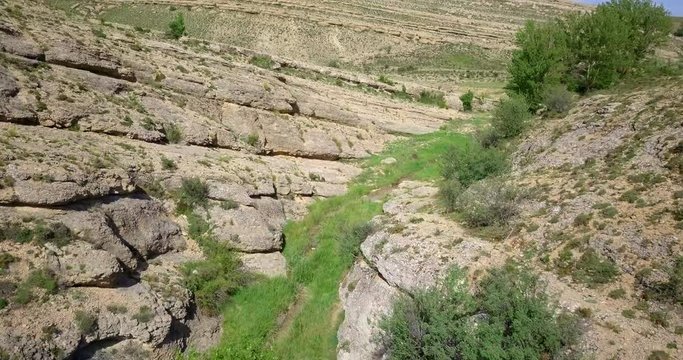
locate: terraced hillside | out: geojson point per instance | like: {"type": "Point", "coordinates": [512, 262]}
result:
{"type": "Point", "coordinates": [435, 43]}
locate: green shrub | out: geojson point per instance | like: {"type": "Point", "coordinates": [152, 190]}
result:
{"type": "Point", "coordinates": [173, 133]}
{"type": "Point", "coordinates": [629, 314]}
{"type": "Point", "coordinates": [3, 303]}
{"type": "Point", "coordinates": [489, 202]}
{"type": "Point", "coordinates": [214, 280]}
{"type": "Point", "coordinates": [592, 270]}
{"type": "Point", "coordinates": [262, 61]}
{"type": "Point", "coordinates": [176, 28]}
{"type": "Point", "coordinates": [557, 99]}
{"type": "Point", "coordinates": [434, 98]}
{"type": "Point", "coordinates": [672, 290]}
{"type": "Point", "coordinates": [510, 117]}
{"type": "Point", "coordinates": [617, 293]}
{"type": "Point", "coordinates": [85, 322]}
{"type": "Point", "coordinates": [5, 260]}
{"type": "Point", "coordinates": [449, 191]}
{"type": "Point", "coordinates": [659, 318]}
{"type": "Point", "coordinates": [192, 193]}
{"type": "Point", "coordinates": [467, 99]}
{"type": "Point", "coordinates": [679, 32]}
{"type": "Point", "coordinates": [471, 162]}
{"type": "Point", "coordinates": [253, 139]}
{"type": "Point", "coordinates": [144, 314]}
{"type": "Point", "coordinates": [385, 79]}
{"type": "Point", "coordinates": [582, 219]}
{"type": "Point", "coordinates": [659, 355]}
{"type": "Point", "coordinates": [229, 204]}
{"type": "Point", "coordinates": [168, 164]}
{"type": "Point", "coordinates": [510, 317]}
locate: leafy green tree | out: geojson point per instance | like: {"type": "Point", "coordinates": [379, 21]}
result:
{"type": "Point", "coordinates": [649, 24]}
{"type": "Point", "coordinates": [177, 26]}
{"type": "Point", "coordinates": [539, 60]}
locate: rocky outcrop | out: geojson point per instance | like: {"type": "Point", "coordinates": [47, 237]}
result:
{"type": "Point", "coordinates": [73, 55]}
{"type": "Point", "coordinates": [411, 249]}
{"type": "Point", "coordinates": [80, 264]}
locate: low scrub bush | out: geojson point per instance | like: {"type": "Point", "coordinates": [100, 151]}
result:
{"type": "Point", "coordinates": [85, 322]}
{"type": "Point", "coordinates": [471, 162]}
{"type": "Point", "coordinates": [557, 99]}
{"type": "Point", "coordinates": [593, 270]}
{"type": "Point", "coordinates": [192, 193]}
{"type": "Point", "coordinates": [509, 317]}
{"type": "Point", "coordinates": [467, 99]}
{"type": "Point", "coordinates": [262, 61]}
{"type": "Point", "coordinates": [214, 280]}
{"type": "Point", "coordinates": [672, 290]}
{"type": "Point", "coordinates": [510, 117]}
{"type": "Point", "coordinates": [489, 202]}
{"type": "Point", "coordinates": [173, 133]}
{"type": "Point", "coordinates": [434, 98]}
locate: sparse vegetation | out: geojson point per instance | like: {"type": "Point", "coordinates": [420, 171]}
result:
{"type": "Point", "coordinates": [144, 314]}
{"type": "Point", "coordinates": [445, 315]}
{"type": "Point", "coordinates": [262, 61]}
{"type": "Point", "coordinates": [168, 164]}
{"type": "Point", "coordinates": [85, 322]}
{"type": "Point", "coordinates": [173, 133]}
{"type": "Point", "coordinates": [593, 270]}
{"type": "Point", "coordinates": [432, 98]}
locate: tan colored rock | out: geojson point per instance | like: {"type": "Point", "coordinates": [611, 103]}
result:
{"type": "Point", "coordinates": [270, 265]}
{"type": "Point", "coordinates": [79, 264]}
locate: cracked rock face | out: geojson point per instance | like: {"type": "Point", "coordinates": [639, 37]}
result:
{"type": "Point", "coordinates": [412, 248]}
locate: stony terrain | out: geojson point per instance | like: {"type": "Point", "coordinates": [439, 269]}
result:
{"type": "Point", "coordinates": [98, 128]}
{"type": "Point", "coordinates": [270, 103]}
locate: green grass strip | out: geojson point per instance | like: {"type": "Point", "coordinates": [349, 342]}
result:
{"type": "Point", "coordinates": [297, 317]}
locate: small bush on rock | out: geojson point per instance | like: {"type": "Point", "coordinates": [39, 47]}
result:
{"type": "Point", "coordinates": [471, 162]}
{"type": "Point", "coordinates": [85, 322]}
{"type": "Point", "coordinates": [557, 99]}
{"type": "Point", "coordinates": [434, 98]}
{"type": "Point", "coordinates": [489, 202]}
